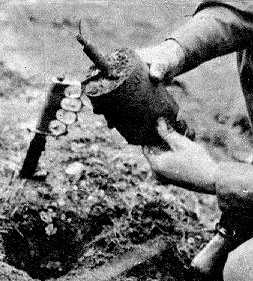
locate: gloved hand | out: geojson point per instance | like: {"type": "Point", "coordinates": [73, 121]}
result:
{"type": "Point", "coordinates": [165, 60]}
{"type": "Point", "coordinates": [187, 164]}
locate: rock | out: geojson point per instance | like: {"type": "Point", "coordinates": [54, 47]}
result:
{"type": "Point", "coordinates": [75, 170]}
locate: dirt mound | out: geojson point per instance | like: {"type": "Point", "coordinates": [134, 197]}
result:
{"type": "Point", "coordinates": [53, 232]}
{"type": "Point", "coordinates": [87, 215]}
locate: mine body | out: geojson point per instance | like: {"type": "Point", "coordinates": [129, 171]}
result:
{"type": "Point", "coordinates": [131, 103]}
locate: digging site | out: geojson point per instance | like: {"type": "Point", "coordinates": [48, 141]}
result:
{"type": "Point", "coordinates": [78, 200]}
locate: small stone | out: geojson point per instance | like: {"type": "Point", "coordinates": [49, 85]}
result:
{"type": "Point", "coordinates": [75, 187]}
{"type": "Point", "coordinates": [61, 202]}
{"type": "Point", "coordinates": [91, 198]}
{"type": "Point", "coordinates": [94, 148]}
{"type": "Point", "coordinates": [50, 229]}
{"type": "Point", "coordinates": [191, 241]}
{"type": "Point", "coordinates": [75, 169]}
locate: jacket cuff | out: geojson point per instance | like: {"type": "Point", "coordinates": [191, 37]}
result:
{"type": "Point", "coordinates": [213, 31]}
{"type": "Point", "coordinates": [234, 186]}
{"type": "Point", "coordinates": [236, 6]}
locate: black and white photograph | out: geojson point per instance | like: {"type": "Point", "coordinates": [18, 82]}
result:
{"type": "Point", "coordinates": [126, 140]}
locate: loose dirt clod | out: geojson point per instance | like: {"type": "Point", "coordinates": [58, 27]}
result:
{"type": "Point", "coordinates": [75, 170]}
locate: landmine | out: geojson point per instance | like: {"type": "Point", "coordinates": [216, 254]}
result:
{"type": "Point", "coordinates": [119, 87]}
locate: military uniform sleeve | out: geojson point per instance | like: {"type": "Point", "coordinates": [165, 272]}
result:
{"type": "Point", "coordinates": [215, 29]}
{"type": "Point", "coordinates": [234, 187]}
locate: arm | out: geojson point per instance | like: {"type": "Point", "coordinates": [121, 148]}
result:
{"type": "Point", "coordinates": [234, 186]}
{"type": "Point", "coordinates": [190, 166]}
{"type": "Point", "coordinates": [213, 31]}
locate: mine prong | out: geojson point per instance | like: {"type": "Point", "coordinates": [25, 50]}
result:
{"type": "Point", "coordinates": [70, 31]}
{"type": "Point", "coordinates": [94, 55]}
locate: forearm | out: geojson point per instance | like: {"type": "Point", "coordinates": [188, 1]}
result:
{"type": "Point", "coordinates": [206, 186]}
{"type": "Point", "coordinates": [230, 179]}
{"type": "Point", "coordinates": [213, 32]}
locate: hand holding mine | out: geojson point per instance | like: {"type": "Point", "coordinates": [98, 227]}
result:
{"type": "Point", "coordinates": [119, 87]}
{"type": "Point", "coordinates": [187, 164]}
{"type": "Point", "coordinates": [165, 60]}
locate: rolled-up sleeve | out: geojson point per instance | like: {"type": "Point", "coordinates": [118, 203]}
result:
{"type": "Point", "coordinates": [214, 30]}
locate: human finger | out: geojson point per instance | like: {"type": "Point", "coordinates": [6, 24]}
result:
{"type": "Point", "coordinates": [173, 138]}
{"type": "Point", "coordinates": [157, 71]}
{"type": "Point", "coordinates": [148, 152]}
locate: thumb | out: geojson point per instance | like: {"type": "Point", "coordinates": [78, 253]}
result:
{"type": "Point", "coordinates": [173, 138]}
{"type": "Point", "coordinates": [157, 71]}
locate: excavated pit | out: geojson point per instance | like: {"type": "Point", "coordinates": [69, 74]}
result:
{"type": "Point", "coordinates": [45, 231]}
{"type": "Point", "coordinates": [47, 234]}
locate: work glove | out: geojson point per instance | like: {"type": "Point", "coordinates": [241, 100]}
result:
{"type": "Point", "coordinates": [187, 164]}
{"type": "Point", "coordinates": [165, 60]}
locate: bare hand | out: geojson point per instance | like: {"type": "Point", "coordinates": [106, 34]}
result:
{"type": "Point", "coordinates": [166, 60]}
{"type": "Point", "coordinates": [187, 164]}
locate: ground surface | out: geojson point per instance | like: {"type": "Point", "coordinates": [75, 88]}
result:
{"type": "Point", "coordinates": [149, 232]}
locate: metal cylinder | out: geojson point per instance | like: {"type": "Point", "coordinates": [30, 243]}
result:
{"type": "Point", "coordinates": [132, 103]}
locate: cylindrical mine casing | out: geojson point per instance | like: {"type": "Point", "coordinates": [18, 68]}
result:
{"type": "Point", "coordinates": [132, 103]}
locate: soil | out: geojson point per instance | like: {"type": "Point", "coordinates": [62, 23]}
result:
{"type": "Point", "coordinates": [89, 218]}
{"type": "Point", "coordinates": [99, 215]}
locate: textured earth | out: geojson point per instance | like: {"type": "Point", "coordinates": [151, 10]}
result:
{"type": "Point", "coordinates": [99, 215]}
